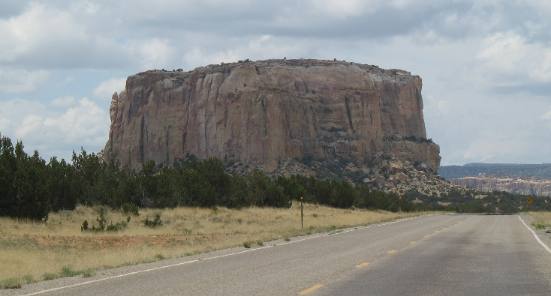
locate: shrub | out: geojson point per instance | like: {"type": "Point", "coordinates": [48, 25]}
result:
{"type": "Point", "coordinates": [84, 226]}
{"type": "Point", "coordinates": [101, 219]}
{"type": "Point", "coordinates": [28, 279]}
{"type": "Point", "coordinates": [539, 225]}
{"type": "Point", "coordinates": [11, 283]}
{"type": "Point", "coordinates": [247, 244]}
{"type": "Point", "coordinates": [49, 276]}
{"type": "Point", "coordinates": [67, 271]}
{"type": "Point", "coordinates": [153, 223]}
{"type": "Point", "coordinates": [130, 208]}
{"type": "Point", "coordinates": [88, 273]}
{"type": "Point", "coordinates": [117, 226]}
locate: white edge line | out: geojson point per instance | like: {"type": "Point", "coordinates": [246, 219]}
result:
{"type": "Point", "coordinates": [535, 235]}
{"type": "Point", "coordinates": [232, 254]}
{"type": "Point", "coordinates": [109, 278]}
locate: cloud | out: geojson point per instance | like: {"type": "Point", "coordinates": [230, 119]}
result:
{"type": "Point", "coordinates": [55, 131]}
{"type": "Point", "coordinates": [485, 64]}
{"type": "Point", "coordinates": [513, 63]}
{"type": "Point", "coordinates": [47, 37]}
{"type": "Point", "coordinates": [155, 53]}
{"type": "Point", "coordinates": [510, 52]}
{"type": "Point", "coordinates": [11, 7]}
{"type": "Point", "coordinates": [20, 80]}
{"type": "Point", "coordinates": [106, 88]}
{"type": "Point", "coordinates": [261, 47]}
{"type": "Point", "coordinates": [63, 102]}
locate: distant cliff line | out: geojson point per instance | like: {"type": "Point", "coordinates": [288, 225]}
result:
{"type": "Point", "coordinates": [535, 187]}
{"type": "Point", "coordinates": [540, 171]}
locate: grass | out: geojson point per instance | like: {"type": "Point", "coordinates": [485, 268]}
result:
{"type": "Point", "coordinates": [539, 226]}
{"type": "Point", "coordinates": [542, 220]}
{"type": "Point", "coordinates": [16, 282]}
{"type": "Point", "coordinates": [31, 251]}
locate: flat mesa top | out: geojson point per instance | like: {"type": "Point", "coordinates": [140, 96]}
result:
{"type": "Point", "coordinates": [226, 67]}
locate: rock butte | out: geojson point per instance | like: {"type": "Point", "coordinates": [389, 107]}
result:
{"type": "Point", "coordinates": [303, 116]}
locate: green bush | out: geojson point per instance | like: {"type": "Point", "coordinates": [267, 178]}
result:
{"type": "Point", "coordinates": [130, 209]}
{"type": "Point", "coordinates": [102, 223]}
{"type": "Point", "coordinates": [116, 227]}
{"type": "Point", "coordinates": [11, 283]}
{"type": "Point", "coordinates": [84, 226]}
{"type": "Point", "coordinates": [49, 276]}
{"type": "Point", "coordinates": [539, 226]}
{"type": "Point", "coordinates": [155, 222]}
{"type": "Point", "coordinates": [67, 271]}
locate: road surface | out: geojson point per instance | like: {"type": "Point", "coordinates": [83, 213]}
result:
{"type": "Point", "coordinates": [431, 255]}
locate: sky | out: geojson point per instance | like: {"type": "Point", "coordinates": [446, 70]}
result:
{"type": "Point", "coordinates": [485, 64]}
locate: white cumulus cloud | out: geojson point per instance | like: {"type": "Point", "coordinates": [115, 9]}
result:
{"type": "Point", "coordinates": [509, 54]}
{"type": "Point", "coordinates": [106, 89]}
{"type": "Point", "coordinates": [55, 131]}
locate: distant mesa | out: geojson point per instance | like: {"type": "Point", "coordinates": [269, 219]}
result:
{"type": "Point", "coordinates": [310, 117]}
{"type": "Point", "coordinates": [525, 179]}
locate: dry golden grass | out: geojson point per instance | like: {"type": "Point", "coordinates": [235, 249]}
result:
{"type": "Point", "coordinates": [35, 251]}
{"type": "Point", "coordinates": [541, 219]}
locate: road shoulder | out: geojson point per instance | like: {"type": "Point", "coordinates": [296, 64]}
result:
{"type": "Point", "coordinates": [543, 237]}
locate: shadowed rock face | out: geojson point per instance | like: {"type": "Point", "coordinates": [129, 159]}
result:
{"type": "Point", "coordinates": [277, 115]}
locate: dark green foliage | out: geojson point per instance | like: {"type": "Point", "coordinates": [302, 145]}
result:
{"type": "Point", "coordinates": [84, 226]}
{"type": "Point", "coordinates": [155, 222]}
{"type": "Point", "coordinates": [117, 226]}
{"type": "Point", "coordinates": [101, 219]}
{"type": "Point", "coordinates": [31, 187]}
{"type": "Point", "coordinates": [102, 224]}
{"type": "Point", "coordinates": [130, 208]}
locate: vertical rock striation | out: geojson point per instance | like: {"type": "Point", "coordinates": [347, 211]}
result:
{"type": "Point", "coordinates": [282, 116]}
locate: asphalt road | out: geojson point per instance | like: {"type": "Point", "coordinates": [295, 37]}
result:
{"type": "Point", "coordinates": [433, 255]}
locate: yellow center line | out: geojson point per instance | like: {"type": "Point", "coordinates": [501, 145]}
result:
{"type": "Point", "coordinates": [412, 242]}
{"type": "Point", "coordinates": [392, 252]}
{"type": "Point", "coordinates": [310, 290]}
{"type": "Point", "coordinates": [362, 265]}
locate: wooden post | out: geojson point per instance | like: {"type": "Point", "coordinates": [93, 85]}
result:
{"type": "Point", "coordinates": [301, 212]}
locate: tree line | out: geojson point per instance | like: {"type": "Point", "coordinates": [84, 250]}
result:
{"type": "Point", "coordinates": [31, 187]}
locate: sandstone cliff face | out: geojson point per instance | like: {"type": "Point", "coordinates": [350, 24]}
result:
{"type": "Point", "coordinates": [282, 116]}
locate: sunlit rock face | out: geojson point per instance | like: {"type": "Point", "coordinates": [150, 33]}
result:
{"type": "Point", "coordinates": [281, 116]}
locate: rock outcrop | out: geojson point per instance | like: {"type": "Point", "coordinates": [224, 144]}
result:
{"type": "Point", "coordinates": [282, 116]}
